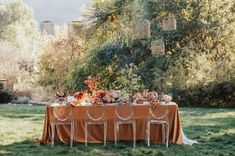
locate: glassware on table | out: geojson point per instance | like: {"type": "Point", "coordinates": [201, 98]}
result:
{"type": "Point", "coordinates": [70, 98]}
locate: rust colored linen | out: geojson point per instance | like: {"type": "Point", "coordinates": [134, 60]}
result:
{"type": "Point", "coordinates": [96, 131]}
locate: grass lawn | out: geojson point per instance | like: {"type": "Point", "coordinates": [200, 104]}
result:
{"type": "Point", "coordinates": [214, 129]}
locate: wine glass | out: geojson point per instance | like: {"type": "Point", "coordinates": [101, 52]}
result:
{"type": "Point", "coordinates": [70, 99]}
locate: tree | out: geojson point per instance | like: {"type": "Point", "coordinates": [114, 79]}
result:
{"type": "Point", "coordinates": [18, 27]}
{"type": "Point", "coordinates": [18, 42]}
{"type": "Point", "coordinates": [199, 53]}
{"type": "Point", "coordinates": [59, 54]}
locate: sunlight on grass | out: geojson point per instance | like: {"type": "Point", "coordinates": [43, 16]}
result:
{"type": "Point", "coordinates": [213, 128]}
{"type": "Point", "coordinates": [16, 130]}
{"type": "Point", "coordinates": [19, 123]}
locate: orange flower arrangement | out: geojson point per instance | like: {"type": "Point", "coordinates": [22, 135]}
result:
{"type": "Point", "coordinates": [97, 98]}
{"type": "Point", "coordinates": [78, 98]}
{"type": "Point", "coordinates": [78, 95]}
{"type": "Point", "coordinates": [92, 83]}
{"type": "Point", "coordinates": [100, 94]}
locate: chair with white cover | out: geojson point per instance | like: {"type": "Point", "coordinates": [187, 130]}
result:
{"type": "Point", "coordinates": [124, 114]}
{"type": "Point", "coordinates": [158, 118]}
{"type": "Point", "coordinates": [95, 115]}
{"type": "Point", "coordinates": [62, 116]}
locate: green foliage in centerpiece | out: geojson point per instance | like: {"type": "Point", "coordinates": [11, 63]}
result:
{"type": "Point", "coordinates": [128, 81]}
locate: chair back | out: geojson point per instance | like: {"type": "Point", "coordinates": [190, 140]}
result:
{"type": "Point", "coordinates": [124, 112]}
{"type": "Point", "coordinates": [158, 113]}
{"type": "Point", "coordinates": [95, 113]}
{"type": "Point", "coordinates": [62, 113]}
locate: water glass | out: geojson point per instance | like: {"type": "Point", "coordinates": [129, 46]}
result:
{"type": "Point", "coordinates": [70, 98]}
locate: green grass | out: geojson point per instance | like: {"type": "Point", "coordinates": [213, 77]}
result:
{"type": "Point", "coordinates": [213, 128]}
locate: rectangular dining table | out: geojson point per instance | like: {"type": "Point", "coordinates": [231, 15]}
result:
{"type": "Point", "coordinates": [125, 134]}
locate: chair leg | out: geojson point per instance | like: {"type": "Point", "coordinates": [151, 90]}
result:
{"type": "Point", "coordinates": [148, 131]}
{"type": "Point", "coordinates": [134, 134]}
{"type": "Point", "coordinates": [75, 132]}
{"type": "Point", "coordinates": [118, 133]}
{"type": "Point", "coordinates": [71, 134]}
{"type": "Point", "coordinates": [163, 133]}
{"type": "Point", "coordinates": [167, 134]}
{"type": "Point", "coordinates": [86, 133]}
{"type": "Point", "coordinates": [53, 134]}
{"type": "Point", "coordinates": [115, 133]}
{"type": "Point", "coordinates": [105, 133]}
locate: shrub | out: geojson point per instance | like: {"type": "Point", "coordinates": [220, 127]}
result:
{"type": "Point", "coordinates": [1, 86]}
{"type": "Point", "coordinates": [25, 93]}
{"type": "Point", "coordinates": [57, 59]}
{"type": "Point", "coordinates": [213, 95]}
{"type": "Point", "coordinates": [5, 96]}
{"type": "Point", "coordinates": [21, 100]}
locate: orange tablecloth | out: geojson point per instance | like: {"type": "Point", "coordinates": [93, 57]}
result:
{"type": "Point", "coordinates": [96, 131]}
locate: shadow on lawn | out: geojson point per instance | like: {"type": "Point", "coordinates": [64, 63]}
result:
{"type": "Point", "coordinates": [210, 127]}
{"type": "Point", "coordinates": [22, 112]}
{"type": "Point", "coordinates": [32, 117]}
{"type": "Point", "coordinates": [215, 145]}
{"type": "Point", "coordinates": [27, 147]}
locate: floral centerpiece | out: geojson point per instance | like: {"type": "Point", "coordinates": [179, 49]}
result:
{"type": "Point", "coordinates": [93, 83]}
{"type": "Point", "coordinates": [100, 96]}
{"type": "Point", "coordinates": [79, 98]}
{"type": "Point", "coordinates": [112, 96]}
{"type": "Point", "coordinates": [138, 98]}
{"type": "Point", "coordinates": [97, 96]}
